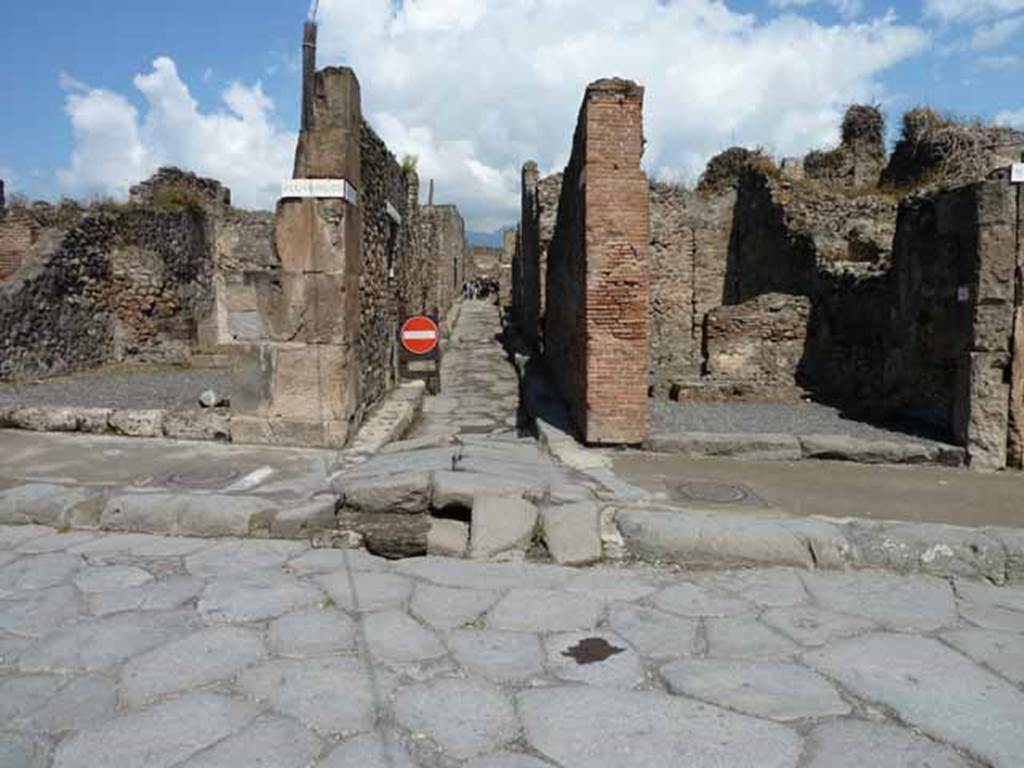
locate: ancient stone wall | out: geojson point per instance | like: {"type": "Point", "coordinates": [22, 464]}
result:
{"type": "Point", "coordinates": [484, 263]}
{"type": "Point", "coordinates": [18, 233]}
{"type": "Point", "coordinates": [596, 327]}
{"type": "Point", "coordinates": [859, 160]}
{"type": "Point", "coordinates": [125, 283]}
{"type": "Point", "coordinates": [508, 254]}
{"type": "Point", "coordinates": [538, 217]}
{"type": "Point", "coordinates": [443, 239]}
{"type": "Point", "coordinates": [689, 250]}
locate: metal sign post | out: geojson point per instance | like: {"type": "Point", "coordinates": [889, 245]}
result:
{"type": "Point", "coordinates": [419, 351]}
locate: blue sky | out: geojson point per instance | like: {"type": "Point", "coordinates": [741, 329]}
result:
{"type": "Point", "coordinates": [98, 92]}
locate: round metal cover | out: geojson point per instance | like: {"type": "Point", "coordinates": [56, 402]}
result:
{"type": "Point", "coordinates": [203, 478]}
{"type": "Point", "coordinates": [710, 492]}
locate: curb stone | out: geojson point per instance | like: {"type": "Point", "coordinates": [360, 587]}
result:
{"type": "Point", "coordinates": [205, 425]}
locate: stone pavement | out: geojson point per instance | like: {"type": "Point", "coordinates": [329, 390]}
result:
{"type": "Point", "coordinates": [479, 388]}
{"type": "Point", "coordinates": [130, 650]}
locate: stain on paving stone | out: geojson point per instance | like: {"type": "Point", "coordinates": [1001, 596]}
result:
{"type": "Point", "coordinates": [592, 650]}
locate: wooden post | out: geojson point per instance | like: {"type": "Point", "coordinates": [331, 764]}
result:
{"type": "Point", "coordinates": [308, 71]}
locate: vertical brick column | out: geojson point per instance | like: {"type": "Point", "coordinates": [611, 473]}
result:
{"type": "Point", "coordinates": [300, 384]}
{"type": "Point", "coordinates": [596, 319]}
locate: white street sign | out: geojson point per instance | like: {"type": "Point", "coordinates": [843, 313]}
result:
{"type": "Point", "coordinates": [339, 188]}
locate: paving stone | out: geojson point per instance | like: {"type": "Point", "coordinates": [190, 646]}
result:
{"type": "Point", "coordinates": [312, 632]}
{"type": "Point", "coordinates": [1003, 652]}
{"type": "Point", "coordinates": [233, 557]}
{"type": "Point", "coordinates": [45, 503]}
{"type": "Point", "coordinates": [371, 750]}
{"type": "Point", "coordinates": [744, 637]}
{"type": "Point", "coordinates": [304, 520]}
{"type": "Point", "coordinates": [573, 533]}
{"type": "Point", "coordinates": [813, 626]}
{"type": "Point", "coordinates": [273, 742]}
{"type": "Point", "coordinates": [23, 694]}
{"type": "Point", "coordinates": [138, 545]}
{"type": "Point", "coordinates": [159, 737]}
{"type": "Point", "coordinates": [507, 760]}
{"type": "Point", "coordinates": [498, 656]}
{"type": "Point", "coordinates": [38, 572]}
{"type": "Point", "coordinates": [41, 611]}
{"type": "Point", "coordinates": [366, 591]}
{"type": "Point", "coordinates": [56, 542]}
{"type": "Point", "coordinates": [99, 644]}
{"type": "Point", "coordinates": [922, 603]}
{"type": "Point", "coordinates": [595, 658]}
{"type": "Point", "coordinates": [170, 592]}
{"type": "Point", "coordinates": [583, 727]}
{"type": "Point", "coordinates": [991, 607]}
{"type": "Point", "coordinates": [447, 538]}
{"type": "Point", "coordinates": [333, 695]}
{"type": "Point", "coordinates": [993, 617]}
{"type": "Point", "coordinates": [403, 492]}
{"type": "Point", "coordinates": [476, 575]}
{"type": "Point", "coordinates": [465, 718]}
{"type": "Point", "coordinates": [771, 587]}
{"type": "Point", "coordinates": [393, 636]}
{"type": "Point", "coordinates": [610, 584]}
{"type": "Point", "coordinates": [536, 610]}
{"type": "Point", "coordinates": [446, 608]}
{"type": "Point", "coordinates": [255, 596]}
{"type": "Point", "coordinates": [460, 488]}
{"type": "Point", "coordinates": [216, 653]}
{"type": "Point", "coordinates": [654, 634]}
{"type": "Point", "coordinates": [774, 690]}
{"type": "Point", "coordinates": [691, 600]}
{"type": "Point", "coordinates": [111, 578]}
{"type": "Point", "coordinates": [75, 704]}
{"type": "Point", "coordinates": [845, 743]}
{"type": "Point", "coordinates": [331, 560]}
{"type": "Point", "coordinates": [13, 535]}
{"type": "Point", "coordinates": [22, 751]}
{"type": "Point", "coordinates": [934, 688]}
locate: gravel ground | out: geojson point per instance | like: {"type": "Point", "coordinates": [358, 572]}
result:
{"type": "Point", "coordinates": [121, 387]}
{"type": "Point", "coordinates": [802, 418]}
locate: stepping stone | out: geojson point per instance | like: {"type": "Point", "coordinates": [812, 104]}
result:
{"type": "Point", "coordinates": [500, 524]}
{"type": "Point", "coordinates": [766, 689]}
{"type": "Point", "coordinates": [573, 533]}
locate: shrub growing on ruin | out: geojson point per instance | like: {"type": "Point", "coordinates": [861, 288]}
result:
{"type": "Point", "coordinates": [724, 170]}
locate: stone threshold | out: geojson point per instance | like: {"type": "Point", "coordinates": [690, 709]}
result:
{"type": "Point", "coordinates": [787, 447]}
{"type": "Point", "coordinates": [212, 424]}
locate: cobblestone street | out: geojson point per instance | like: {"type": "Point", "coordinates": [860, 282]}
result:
{"type": "Point", "coordinates": [478, 385]}
{"type": "Point", "coordinates": [136, 650]}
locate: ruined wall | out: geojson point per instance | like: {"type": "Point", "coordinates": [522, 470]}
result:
{"type": "Point", "coordinates": [484, 263]}
{"type": "Point", "coordinates": [689, 250]}
{"type": "Point", "coordinates": [538, 217]}
{"type": "Point", "coordinates": [859, 159]}
{"type": "Point", "coordinates": [597, 302]}
{"type": "Point", "coordinates": [508, 254]}
{"type": "Point", "coordinates": [125, 283]}
{"type": "Point", "coordinates": [443, 239]}
{"type": "Point", "coordinates": [18, 234]}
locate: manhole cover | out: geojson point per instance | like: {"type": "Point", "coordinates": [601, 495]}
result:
{"type": "Point", "coordinates": [710, 492]}
{"type": "Point", "coordinates": [203, 477]}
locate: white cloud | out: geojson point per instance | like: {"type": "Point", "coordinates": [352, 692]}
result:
{"type": "Point", "coordinates": [970, 10]}
{"type": "Point", "coordinates": [848, 9]}
{"type": "Point", "coordinates": [475, 87]}
{"type": "Point", "coordinates": [115, 148]}
{"type": "Point", "coordinates": [1014, 118]}
{"type": "Point", "coordinates": [996, 35]}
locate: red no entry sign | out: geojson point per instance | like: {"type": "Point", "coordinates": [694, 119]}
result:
{"type": "Point", "coordinates": [420, 335]}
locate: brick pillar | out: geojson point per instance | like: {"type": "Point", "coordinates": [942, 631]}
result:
{"type": "Point", "coordinates": [596, 318]}
{"type": "Point", "coordinates": [300, 385]}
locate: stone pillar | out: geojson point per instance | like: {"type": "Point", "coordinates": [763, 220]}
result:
{"type": "Point", "coordinates": [528, 313]}
{"type": "Point", "coordinates": [596, 316]}
{"type": "Point", "coordinates": [993, 295]}
{"type": "Point", "coordinates": [1015, 448]}
{"type": "Point", "coordinates": [300, 384]}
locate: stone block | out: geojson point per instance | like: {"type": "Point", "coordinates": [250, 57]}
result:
{"type": "Point", "coordinates": [143, 512]}
{"type": "Point", "coordinates": [573, 533]}
{"type": "Point", "coordinates": [404, 492]}
{"type": "Point", "coordinates": [447, 538]}
{"type": "Point", "coordinates": [207, 424]}
{"type": "Point", "coordinates": [847, 448]}
{"type": "Point", "coordinates": [259, 430]}
{"type": "Point", "coordinates": [500, 524]}
{"type": "Point", "coordinates": [388, 534]}
{"type": "Point", "coordinates": [137, 423]}
{"type": "Point", "coordinates": [993, 326]}
{"type": "Point", "coordinates": [761, 447]}
{"type": "Point", "coordinates": [304, 520]}
{"type": "Point", "coordinates": [459, 488]}
{"type": "Point", "coordinates": [304, 307]}
{"type": "Point", "coordinates": [246, 326]}
{"type": "Point", "coordinates": [997, 261]}
{"type": "Point", "coordinates": [94, 421]}
{"type": "Point", "coordinates": [988, 420]}
{"type": "Point", "coordinates": [44, 419]}
{"type": "Point", "coordinates": [329, 147]}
